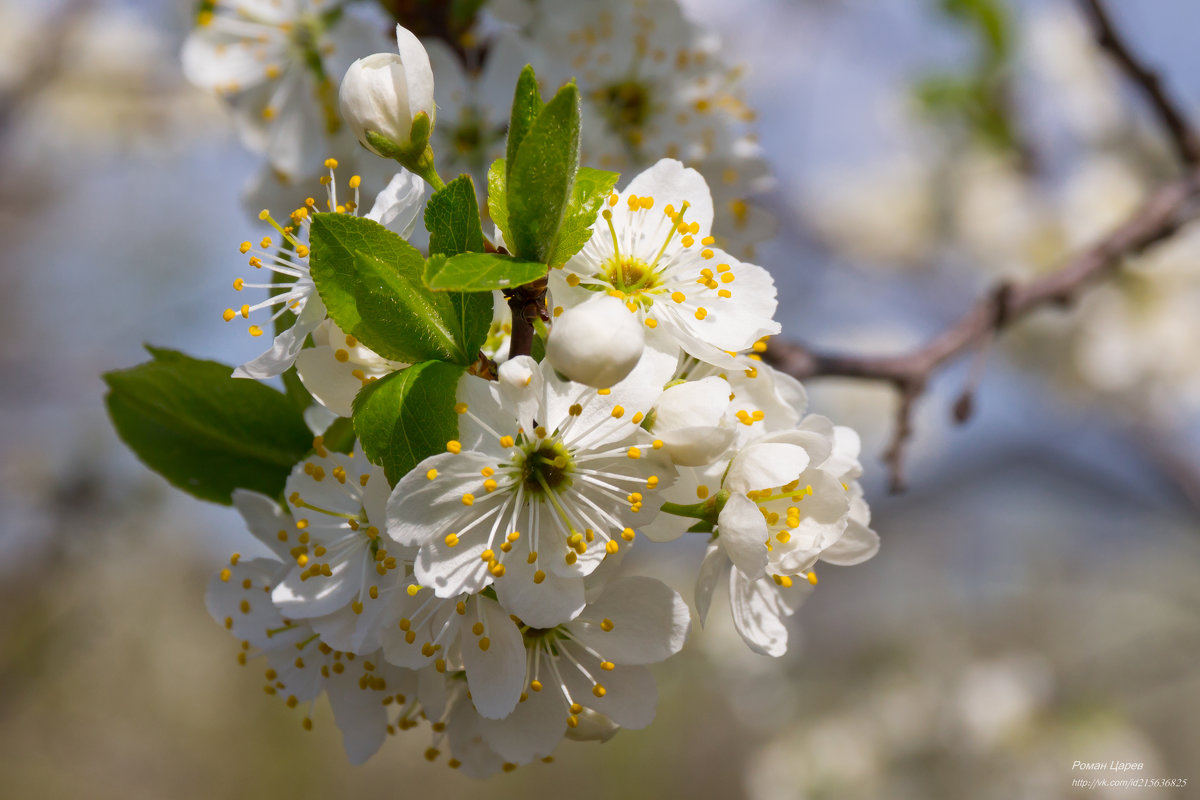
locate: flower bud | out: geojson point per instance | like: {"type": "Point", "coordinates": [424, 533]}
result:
{"type": "Point", "coordinates": [689, 419]}
{"type": "Point", "coordinates": [383, 95]}
{"type": "Point", "coordinates": [598, 342]}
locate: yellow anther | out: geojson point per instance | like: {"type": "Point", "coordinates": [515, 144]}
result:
{"type": "Point", "coordinates": [454, 446]}
{"type": "Point", "coordinates": [606, 624]}
{"type": "Point", "coordinates": [652, 482]}
{"type": "Point", "coordinates": [331, 163]}
{"type": "Point", "coordinates": [228, 314]}
{"type": "Point", "coordinates": [634, 453]}
{"type": "Point", "coordinates": [539, 576]}
{"type": "Point", "coordinates": [341, 355]}
{"type": "Point", "coordinates": [357, 606]}
{"type": "Point", "coordinates": [484, 643]}
{"type": "Point", "coordinates": [657, 444]}
{"type": "Point", "coordinates": [627, 534]}
{"type": "Point", "coordinates": [413, 589]}
{"type": "Point", "coordinates": [618, 412]}
{"type": "Point", "coordinates": [651, 323]}
{"type": "Point", "coordinates": [506, 441]}
{"type": "Point", "coordinates": [460, 408]}
{"type": "Point", "coordinates": [572, 279]}
{"type": "Point", "coordinates": [599, 690]}
{"type": "Point", "coordinates": [812, 578]}
{"type": "Point", "coordinates": [488, 555]}
{"type": "Point", "coordinates": [607, 666]}
{"type": "Point", "coordinates": [707, 240]}
{"type": "Point", "coordinates": [431, 474]}
{"type": "Point", "coordinates": [727, 277]}
{"type": "Point", "coordinates": [612, 546]}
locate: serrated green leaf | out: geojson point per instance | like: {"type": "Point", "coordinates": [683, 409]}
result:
{"type": "Point", "coordinates": [203, 430]}
{"type": "Point", "coordinates": [592, 187]}
{"type": "Point", "coordinates": [497, 179]}
{"type": "Point", "coordinates": [371, 282]}
{"type": "Point", "coordinates": [408, 416]}
{"type": "Point", "coordinates": [541, 177]}
{"type": "Point", "coordinates": [481, 272]}
{"type": "Point", "coordinates": [527, 106]}
{"type": "Point", "coordinates": [401, 320]}
{"type": "Point", "coordinates": [452, 219]}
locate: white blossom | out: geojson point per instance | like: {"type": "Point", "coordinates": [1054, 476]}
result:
{"type": "Point", "coordinates": [546, 479]}
{"type": "Point", "coordinates": [287, 256]}
{"type": "Point", "coordinates": [277, 65]}
{"type": "Point", "coordinates": [652, 247]}
{"type": "Point", "coordinates": [597, 342]}
{"type": "Point", "coordinates": [383, 93]}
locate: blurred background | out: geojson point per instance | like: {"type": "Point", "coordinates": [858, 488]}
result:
{"type": "Point", "coordinates": [1034, 602]}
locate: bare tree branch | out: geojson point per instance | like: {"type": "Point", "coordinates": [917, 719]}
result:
{"type": "Point", "coordinates": [1158, 218]}
{"type": "Point", "coordinates": [1109, 38]}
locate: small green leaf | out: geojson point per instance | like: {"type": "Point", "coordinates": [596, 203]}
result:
{"type": "Point", "coordinates": [371, 282]}
{"type": "Point", "coordinates": [452, 219]}
{"type": "Point", "coordinates": [203, 430]}
{"type": "Point", "coordinates": [497, 179]}
{"type": "Point", "coordinates": [527, 105]}
{"type": "Point", "coordinates": [295, 390]}
{"type": "Point", "coordinates": [592, 188]}
{"type": "Point", "coordinates": [408, 416]}
{"type": "Point", "coordinates": [339, 436]}
{"type": "Point", "coordinates": [481, 272]}
{"type": "Point", "coordinates": [402, 320]}
{"type": "Point", "coordinates": [542, 175]}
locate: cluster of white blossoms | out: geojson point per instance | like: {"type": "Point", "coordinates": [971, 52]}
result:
{"type": "Point", "coordinates": [478, 587]}
{"type": "Point", "coordinates": [656, 84]}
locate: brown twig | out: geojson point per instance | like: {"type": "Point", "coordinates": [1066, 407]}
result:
{"type": "Point", "coordinates": [1146, 79]}
{"type": "Point", "coordinates": [1157, 219]}
{"type": "Point", "coordinates": [910, 372]}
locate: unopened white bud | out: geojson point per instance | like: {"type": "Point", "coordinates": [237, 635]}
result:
{"type": "Point", "coordinates": [383, 94]}
{"type": "Point", "coordinates": [597, 342]}
{"type": "Point", "coordinates": [689, 418]}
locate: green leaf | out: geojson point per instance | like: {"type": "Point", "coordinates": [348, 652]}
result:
{"type": "Point", "coordinates": [592, 188]}
{"type": "Point", "coordinates": [339, 436]}
{"type": "Point", "coordinates": [527, 105]}
{"type": "Point", "coordinates": [481, 272]}
{"type": "Point", "coordinates": [295, 390]}
{"type": "Point", "coordinates": [452, 219]}
{"type": "Point", "coordinates": [408, 416]}
{"type": "Point", "coordinates": [203, 430]}
{"type": "Point", "coordinates": [497, 179]}
{"type": "Point", "coordinates": [371, 282]}
{"type": "Point", "coordinates": [402, 320]}
{"type": "Point", "coordinates": [541, 177]}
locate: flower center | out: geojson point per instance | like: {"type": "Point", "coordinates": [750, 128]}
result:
{"type": "Point", "coordinates": [547, 468]}
{"type": "Point", "coordinates": [626, 104]}
{"type": "Point", "coordinates": [629, 273]}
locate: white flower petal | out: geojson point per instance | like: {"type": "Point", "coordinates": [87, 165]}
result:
{"type": "Point", "coordinates": [267, 521]}
{"type": "Point", "coordinates": [630, 696]}
{"type": "Point", "coordinates": [758, 612]}
{"type": "Point", "coordinates": [532, 730]}
{"type": "Point", "coordinates": [359, 714]}
{"type": "Point", "coordinates": [764, 465]}
{"type": "Point", "coordinates": [742, 535]}
{"type": "Point", "coordinates": [496, 675]}
{"type": "Point", "coordinates": [557, 599]}
{"type": "Point", "coordinates": [286, 346]}
{"type": "Point", "coordinates": [398, 206]}
{"type": "Point", "coordinates": [715, 563]}
{"type": "Point", "coordinates": [650, 622]}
